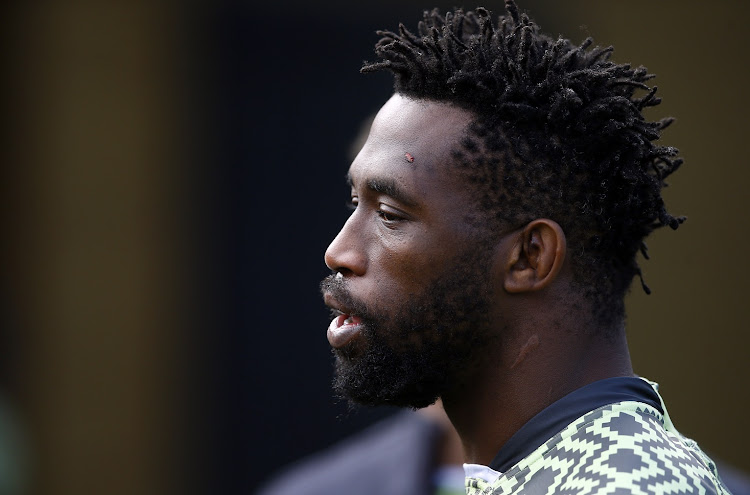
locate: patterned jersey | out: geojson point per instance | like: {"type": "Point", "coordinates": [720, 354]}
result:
{"type": "Point", "coordinates": [619, 449]}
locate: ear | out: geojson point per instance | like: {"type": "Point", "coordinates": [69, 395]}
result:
{"type": "Point", "coordinates": [536, 257]}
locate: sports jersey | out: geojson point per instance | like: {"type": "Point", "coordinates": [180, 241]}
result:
{"type": "Point", "coordinates": [625, 447]}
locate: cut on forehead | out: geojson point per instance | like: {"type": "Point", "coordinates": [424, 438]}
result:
{"type": "Point", "coordinates": [413, 134]}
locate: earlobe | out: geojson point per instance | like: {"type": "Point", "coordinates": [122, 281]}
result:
{"type": "Point", "coordinates": [536, 258]}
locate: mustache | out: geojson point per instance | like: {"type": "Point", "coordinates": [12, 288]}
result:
{"type": "Point", "coordinates": [336, 287]}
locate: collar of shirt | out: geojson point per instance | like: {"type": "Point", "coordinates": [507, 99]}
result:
{"type": "Point", "coordinates": [564, 411]}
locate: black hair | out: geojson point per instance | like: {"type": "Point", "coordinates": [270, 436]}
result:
{"type": "Point", "coordinates": [559, 133]}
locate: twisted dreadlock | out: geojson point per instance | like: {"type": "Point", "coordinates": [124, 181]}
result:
{"type": "Point", "coordinates": [559, 133]}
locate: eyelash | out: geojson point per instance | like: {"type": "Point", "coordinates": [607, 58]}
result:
{"type": "Point", "coordinates": [384, 215]}
{"type": "Point", "coordinates": [388, 217]}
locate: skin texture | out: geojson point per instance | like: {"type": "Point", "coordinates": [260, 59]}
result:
{"type": "Point", "coordinates": [539, 339]}
{"type": "Point", "coordinates": [405, 354]}
{"type": "Point", "coordinates": [402, 250]}
{"type": "Point", "coordinates": [449, 450]}
{"type": "Point", "coordinates": [409, 265]}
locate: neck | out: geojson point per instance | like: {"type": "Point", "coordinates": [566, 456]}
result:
{"type": "Point", "coordinates": [529, 374]}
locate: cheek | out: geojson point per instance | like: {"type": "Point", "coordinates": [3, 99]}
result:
{"type": "Point", "coordinates": [407, 271]}
{"type": "Point", "coordinates": [403, 265]}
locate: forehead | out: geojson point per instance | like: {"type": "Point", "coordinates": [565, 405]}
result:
{"type": "Point", "coordinates": [411, 141]}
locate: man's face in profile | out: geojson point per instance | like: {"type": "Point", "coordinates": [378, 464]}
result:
{"type": "Point", "coordinates": [411, 297]}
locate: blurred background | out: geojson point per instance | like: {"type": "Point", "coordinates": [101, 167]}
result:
{"type": "Point", "coordinates": [172, 174]}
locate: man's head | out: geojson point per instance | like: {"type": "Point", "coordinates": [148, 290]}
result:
{"type": "Point", "coordinates": [493, 129]}
{"type": "Point", "coordinates": [412, 270]}
{"type": "Point", "coordinates": [558, 133]}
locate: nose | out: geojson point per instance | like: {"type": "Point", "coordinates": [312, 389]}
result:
{"type": "Point", "coordinates": [345, 254]}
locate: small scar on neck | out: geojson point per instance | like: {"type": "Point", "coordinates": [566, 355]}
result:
{"type": "Point", "coordinates": [409, 157]}
{"type": "Point", "coordinates": [529, 346]}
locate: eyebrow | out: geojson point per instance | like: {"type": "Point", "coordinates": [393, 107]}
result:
{"type": "Point", "coordinates": [387, 186]}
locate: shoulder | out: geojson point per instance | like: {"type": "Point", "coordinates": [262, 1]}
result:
{"type": "Point", "coordinates": [619, 448]}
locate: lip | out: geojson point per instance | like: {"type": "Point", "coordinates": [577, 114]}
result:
{"type": "Point", "coordinates": [340, 331]}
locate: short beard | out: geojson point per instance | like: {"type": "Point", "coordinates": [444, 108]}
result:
{"type": "Point", "coordinates": [411, 355]}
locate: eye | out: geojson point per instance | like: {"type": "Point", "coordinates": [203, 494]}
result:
{"type": "Point", "coordinates": [388, 215]}
{"type": "Point", "coordinates": [352, 203]}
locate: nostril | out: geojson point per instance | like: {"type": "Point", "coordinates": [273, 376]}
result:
{"type": "Point", "coordinates": [342, 272]}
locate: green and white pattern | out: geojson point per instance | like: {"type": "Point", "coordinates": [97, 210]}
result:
{"type": "Point", "coordinates": [619, 449]}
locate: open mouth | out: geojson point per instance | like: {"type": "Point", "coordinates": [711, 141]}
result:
{"type": "Point", "coordinates": [343, 329]}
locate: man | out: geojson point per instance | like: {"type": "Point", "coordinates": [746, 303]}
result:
{"type": "Point", "coordinates": [499, 203]}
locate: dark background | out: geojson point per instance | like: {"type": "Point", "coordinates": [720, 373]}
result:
{"type": "Point", "coordinates": [174, 173]}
